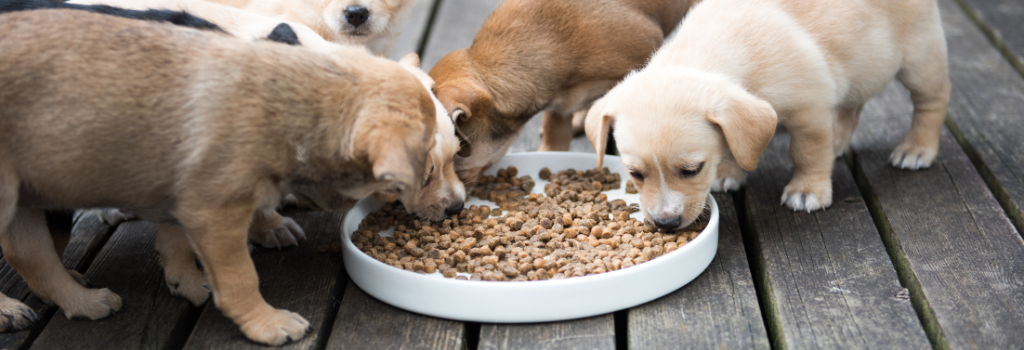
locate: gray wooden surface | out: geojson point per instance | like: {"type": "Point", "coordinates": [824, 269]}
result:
{"type": "Point", "coordinates": [367, 323]}
{"type": "Point", "coordinates": [1003, 22]}
{"type": "Point", "coordinates": [596, 332]}
{"type": "Point", "coordinates": [718, 310]}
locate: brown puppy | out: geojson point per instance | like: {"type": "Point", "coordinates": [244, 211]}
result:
{"type": "Point", "coordinates": [196, 131]}
{"type": "Point", "coordinates": [698, 117]}
{"type": "Point", "coordinates": [555, 56]}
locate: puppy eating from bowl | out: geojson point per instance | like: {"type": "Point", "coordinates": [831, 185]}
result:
{"type": "Point", "coordinates": [697, 118]}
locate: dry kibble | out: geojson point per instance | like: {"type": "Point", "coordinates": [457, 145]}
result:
{"type": "Point", "coordinates": [570, 230]}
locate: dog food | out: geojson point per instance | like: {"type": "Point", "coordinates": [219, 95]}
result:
{"type": "Point", "coordinates": [571, 230]}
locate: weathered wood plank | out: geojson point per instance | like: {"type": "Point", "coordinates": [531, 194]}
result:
{"type": "Point", "coordinates": [87, 236]}
{"type": "Point", "coordinates": [589, 333]}
{"type": "Point", "coordinates": [367, 323]}
{"type": "Point", "coordinates": [829, 279]}
{"type": "Point", "coordinates": [151, 317]}
{"type": "Point", "coordinates": [454, 27]}
{"type": "Point", "coordinates": [299, 279]}
{"type": "Point", "coordinates": [1003, 22]}
{"type": "Point", "coordinates": [717, 310]}
{"type": "Point", "coordinates": [955, 248]}
{"type": "Point", "coordinates": [988, 98]}
{"type": "Point", "coordinates": [414, 30]}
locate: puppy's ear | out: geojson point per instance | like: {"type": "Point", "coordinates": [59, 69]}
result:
{"type": "Point", "coordinates": [465, 148]}
{"type": "Point", "coordinates": [597, 125]}
{"type": "Point", "coordinates": [400, 166]}
{"type": "Point", "coordinates": [748, 124]}
{"type": "Point", "coordinates": [410, 60]}
{"type": "Point", "coordinates": [466, 99]}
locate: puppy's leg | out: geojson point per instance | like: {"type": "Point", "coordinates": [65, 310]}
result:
{"type": "Point", "coordinates": [578, 122]}
{"type": "Point", "coordinates": [846, 123]}
{"type": "Point", "coordinates": [219, 235]}
{"type": "Point", "coordinates": [182, 276]}
{"type": "Point", "coordinates": [271, 230]}
{"type": "Point", "coordinates": [925, 74]}
{"type": "Point", "coordinates": [730, 177]}
{"type": "Point", "coordinates": [15, 315]}
{"type": "Point", "coordinates": [811, 133]}
{"type": "Point", "coordinates": [557, 132]}
{"type": "Point", "coordinates": [29, 249]}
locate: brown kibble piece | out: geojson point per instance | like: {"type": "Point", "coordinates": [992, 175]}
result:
{"type": "Point", "coordinates": [545, 174]}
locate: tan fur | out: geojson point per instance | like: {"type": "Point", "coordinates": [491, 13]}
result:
{"type": "Point", "coordinates": [195, 129]}
{"type": "Point", "coordinates": [379, 34]}
{"type": "Point", "coordinates": [714, 94]}
{"type": "Point", "coordinates": [539, 55]}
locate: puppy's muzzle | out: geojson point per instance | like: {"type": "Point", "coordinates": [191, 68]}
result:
{"type": "Point", "coordinates": [668, 224]}
{"type": "Point", "coordinates": [356, 15]}
{"type": "Point", "coordinates": [454, 209]}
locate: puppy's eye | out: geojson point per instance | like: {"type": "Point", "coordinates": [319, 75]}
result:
{"type": "Point", "coordinates": [691, 171]}
{"type": "Point", "coordinates": [430, 175]}
{"type": "Point", "coordinates": [636, 175]}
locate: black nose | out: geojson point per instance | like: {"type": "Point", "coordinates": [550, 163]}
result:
{"type": "Point", "coordinates": [454, 209]}
{"type": "Point", "coordinates": [356, 15]}
{"type": "Point", "coordinates": [668, 224]}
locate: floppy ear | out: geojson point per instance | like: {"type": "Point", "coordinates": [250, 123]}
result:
{"type": "Point", "coordinates": [748, 124]}
{"type": "Point", "coordinates": [395, 163]}
{"type": "Point", "coordinates": [464, 98]}
{"type": "Point", "coordinates": [410, 60]}
{"type": "Point", "coordinates": [465, 148]}
{"type": "Point", "coordinates": [597, 125]}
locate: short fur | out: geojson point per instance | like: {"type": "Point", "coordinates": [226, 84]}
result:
{"type": "Point", "coordinates": [697, 118]}
{"type": "Point", "coordinates": [180, 18]}
{"type": "Point", "coordinates": [541, 55]}
{"type": "Point", "coordinates": [197, 132]}
{"type": "Point", "coordinates": [378, 33]}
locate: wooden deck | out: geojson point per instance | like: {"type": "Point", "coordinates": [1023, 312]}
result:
{"type": "Point", "coordinates": [902, 260]}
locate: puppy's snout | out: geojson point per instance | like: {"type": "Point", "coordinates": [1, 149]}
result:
{"type": "Point", "coordinates": [454, 208]}
{"type": "Point", "coordinates": [356, 15]}
{"type": "Point", "coordinates": [669, 223]}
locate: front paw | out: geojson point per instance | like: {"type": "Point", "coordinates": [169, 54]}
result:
{"type": "Point", "coordinates": [276, 327]}
{"type": "Point", "coordinates": [911, 156]}
{"type": "Point", "coordinates": [187, 283]}
{"type": "Point", "coordinates": [287, 233]}
{"type": "Point", "coordinates": [93, 304]}
{"type": "Point", "coordinates": [728, 183]}
{"type": "Point", "coordinates": [807, 195]}
{"type": "Point", "coordinates": [15, 315]}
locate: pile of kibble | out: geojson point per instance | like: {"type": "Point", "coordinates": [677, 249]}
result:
{"type": "Point", "coordinates": [573, 230]}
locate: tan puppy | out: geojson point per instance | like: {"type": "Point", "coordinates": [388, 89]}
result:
{"type": "Point", "coordinates": [555, 56]}
{"type": "Point", "coordinates": [242, 24]}
{"type": "Point", "coordinates": [699, 115]}
{"type": "Point", "coordinates": [197, 131]}
{"type": "Point", "coordinates": [371, 23]}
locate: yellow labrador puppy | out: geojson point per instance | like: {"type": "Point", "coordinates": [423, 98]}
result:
{"type": "Point", "coordinates": [700, 114]}
{"type": "Point", "coordinates": [196, 131]}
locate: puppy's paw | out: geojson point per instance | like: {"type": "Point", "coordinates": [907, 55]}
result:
{"type": "Point", "coordinates": [730, 177]}
{"type": "Point", "coordinates": [910, 156]}
{"type": "Point", "coordinates": [15, 315]}
{"type": "Point", "coordinates": [725, 184]}
{"type": "Point", "coordinates": [288, 233]}
{"type": "Point", "coordinates": [93, 304]}
{"type": "Point", "coordinates": [807, 196]}
{"type": "Point", "coordinates": [187, 283]}
{"type": "Point", "coordinates": [276, 327]}
{"type": "Point", "coordinates": [111, 216]}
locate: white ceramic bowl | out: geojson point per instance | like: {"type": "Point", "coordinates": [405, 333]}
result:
{"type": "Point", "coordinates": [532, 301]}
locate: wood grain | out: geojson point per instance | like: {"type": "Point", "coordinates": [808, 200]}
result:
{"type": "Point", "coordinates": [596, 332]}
{"type": "Point", "coordinates": [956, 250]}
{"type": "Point", "coordinates": [299, 279]}
{"type": "Point", "coordinates": [719, 309]}
{"type": "Point", "coordinates": [414, 30]}
{"type": "Point", "coordinates": [988, 97]}
{"type": "Point", "coordinates": [151, 317]}
{"type": "Point", "coordinates": [367, 323]}
{"type": "Point", "coordinates": [454, 27]}
{"type": "Point", "coordinates": [1003, 22]}
{"type": "Point", "coordinates": [830, 282]}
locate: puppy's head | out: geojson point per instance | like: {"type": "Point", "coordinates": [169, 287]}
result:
{"type": "Point", "coordinates": [443, 192]}
{"type": "Point", "coordinates": [361, 20]}
{"type": "Point", "coordinates": [483, 140]}
{"type": "Point", "coordinates": [381, 148]}
{"type": "Point", "coordinates": [673, 127]}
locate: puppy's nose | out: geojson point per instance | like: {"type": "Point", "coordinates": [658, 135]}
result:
{"type": "Point", "coordinates": [356, 15]}
{"type": "Point", "coordinates": [668, 224]}
{"type": "Point", "coordinates": [454, 209]}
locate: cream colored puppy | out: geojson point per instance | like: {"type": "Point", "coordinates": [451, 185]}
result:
{"type": "Point", "coordinates": [239, 23]}
{"type": "Point", "coordinates": [371, 23]}
{"type": "Point", "coordinates": [699, 115]}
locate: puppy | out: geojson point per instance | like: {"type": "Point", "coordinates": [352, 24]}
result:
{"type": "Point", "coordinates": [700, 114]}
{"type": "Point", "coordinates": [534, 55]}
{"type": "Point", "coordinates": [374, 24]}
{"type": "Point", "coordinates": [195, 131]}
{"type": "Point", "coordinates": [242, 24]}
